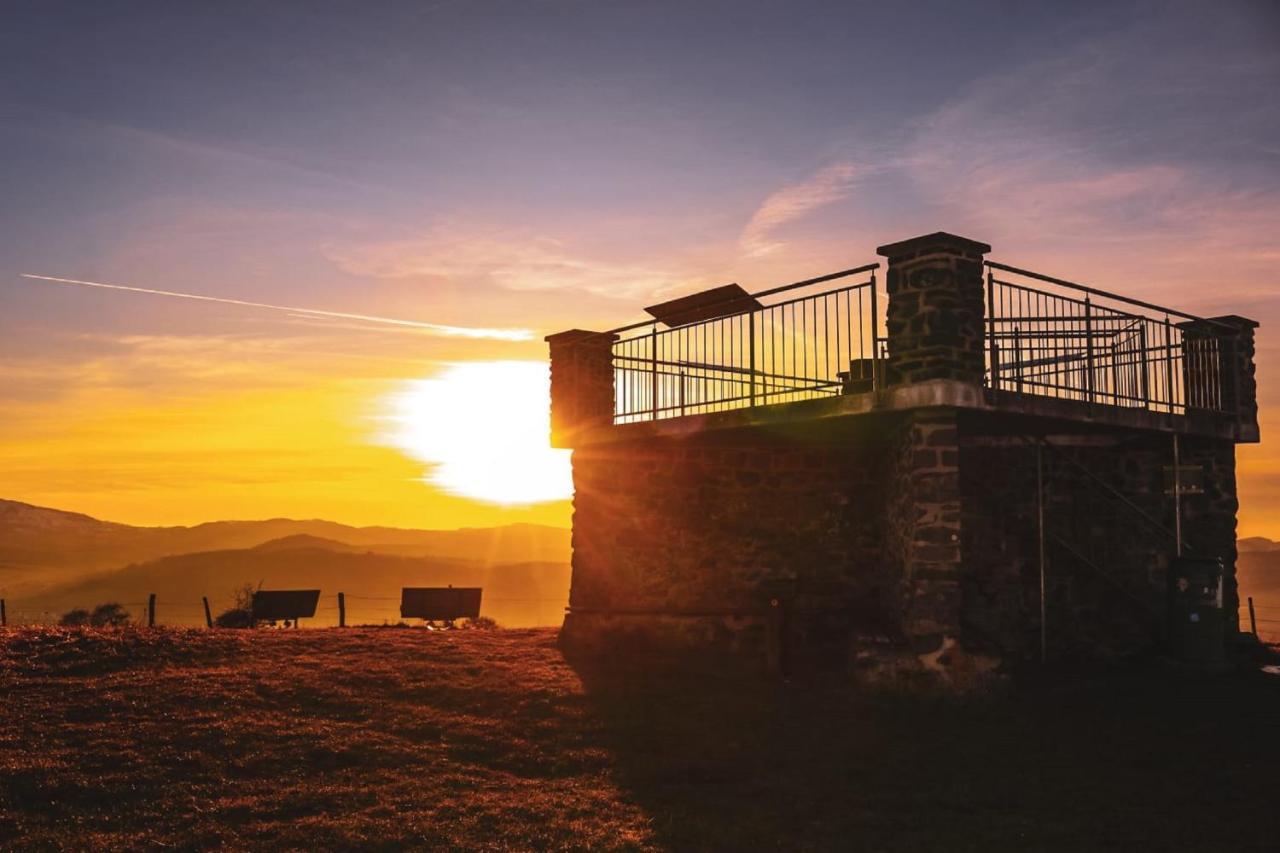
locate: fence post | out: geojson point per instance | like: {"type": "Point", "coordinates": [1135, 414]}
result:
{"type": "Point", "coordinates": [208, 616]}
{"type": "Point", "coordinates": [4, 617]}
{"type": "Point", "coordinates": [342, 610]}
{"type": "Point", "coordinates": [1177, 497]}
{"type": "Point", "coordinates": [151, 610]}
{"type": "Point", "coordinates": [1253, 621]}
{"type": "Point", "coordinates": [653, 369]}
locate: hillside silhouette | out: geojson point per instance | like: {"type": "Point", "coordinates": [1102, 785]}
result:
{"type": "Point", "coordinates": [52, 560]}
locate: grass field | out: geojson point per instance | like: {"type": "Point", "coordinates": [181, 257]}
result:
{"type": "Point", "coordinates": [384, 739]}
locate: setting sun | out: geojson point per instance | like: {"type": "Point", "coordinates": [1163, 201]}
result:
{"type": "Point", "coordinates": [484, 428]}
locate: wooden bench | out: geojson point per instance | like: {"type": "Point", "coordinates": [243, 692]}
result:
{"type": "Point", "coordinates": [440, 604]}
{"type": "Point", "coordinates": [284, 605]}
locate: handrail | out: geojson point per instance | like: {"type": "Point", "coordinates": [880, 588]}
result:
{"type": "Point", "coordinates": [758, 294]}
{"type": "Point", "coordinates": [1105, 294]}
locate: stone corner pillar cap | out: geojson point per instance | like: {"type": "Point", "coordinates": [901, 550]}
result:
{"type": "Point", "coordinates": [571, 335]}
{"type": "Point", "coordinates": [1232, 321]}
{"type": "Point", "coordinates": [938, 239]}
{"type": "Point", "coordinates": [1236, 320]}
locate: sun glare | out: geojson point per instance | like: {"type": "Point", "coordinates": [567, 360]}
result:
{"type": "Point", "coordinates": [484, 429]}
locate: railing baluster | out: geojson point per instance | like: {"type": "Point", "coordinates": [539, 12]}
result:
{"type": "Point", "coordinates": [993, 352]}
{"type": "Point", "coordinates": [653, 371]}
{"type": "Point", "coordinates": [1088, 342]}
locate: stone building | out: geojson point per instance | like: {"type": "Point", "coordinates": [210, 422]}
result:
{"type": "Point", "coordinates": [978, 464]}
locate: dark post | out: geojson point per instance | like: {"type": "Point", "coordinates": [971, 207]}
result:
{"type": "Point", "coordinates": [777, 635]}
{"type": "Point", "coordinates": [208, 616]}
{"type": "Point", "coordinates": [342, 610]}
{"type": "Point", "coordinates": [1253, 620]}
{"type": "Point", "coordinates": [1044, 622]}
{"type": "Point", "coordinates": [1177, 494]}
{"type": "Point", "coordinates": [4, 617]}
{"type": "Point", "coordinates": [151, 610]}
{"type": "Point", "coordinates": [935, 322]}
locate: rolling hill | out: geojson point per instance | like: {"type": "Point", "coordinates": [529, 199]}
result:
{"type": "Point", "coordinates": [51, 561]}
{"type": "Point", "coordinates": [41, 547]}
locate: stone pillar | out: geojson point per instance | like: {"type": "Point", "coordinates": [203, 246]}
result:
{"type": "Point", "coordinates": [1209, 518]}
{"type": "Point", "coordinates": [581, 383]}
{"type": "Point", "coordinates": [923, 530]}
{"type": "Point", "coordinates": [936, 308]}
{"type": "Point", "coordinates": [1218, 370]}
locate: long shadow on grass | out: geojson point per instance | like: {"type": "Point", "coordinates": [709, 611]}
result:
{"type": "Point", "coordinates": [723, 759]}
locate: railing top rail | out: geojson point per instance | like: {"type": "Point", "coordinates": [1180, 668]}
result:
{"type": "Point", "coordinates": [795, 285]}
{"type": "Point", "coordinates": [1103, 293]}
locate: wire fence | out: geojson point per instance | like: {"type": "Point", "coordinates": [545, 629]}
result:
{"type": "Point", "coordinates": [1262, 619]}
{"type": "Point", "coordinates": [508, 611]}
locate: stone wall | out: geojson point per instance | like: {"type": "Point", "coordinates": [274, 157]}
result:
{"type": "Point", "coordinates": [1107, 558]}
{"type": "Point", "coordinates": [714, 528]}
{"type": "Point", "coordinates": [922, 517]}
{"type": "Point", "coordinates": [920, 532]}
{"type": "Point", "coordinates": [1209, 519]}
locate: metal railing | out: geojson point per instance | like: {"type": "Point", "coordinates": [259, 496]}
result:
{"type": "Point", "coordinates": [1079, 343]}
{"type": "Point", "coordinates": [798, 348]}
{"type": "Point", "coordinates": [1043, 336]}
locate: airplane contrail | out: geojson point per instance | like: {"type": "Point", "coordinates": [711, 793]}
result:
{"type": "Point", "coordinates": [437, 328]}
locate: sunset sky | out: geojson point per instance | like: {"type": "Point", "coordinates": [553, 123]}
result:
{"type": "Point", "coordinates": [507, 170]}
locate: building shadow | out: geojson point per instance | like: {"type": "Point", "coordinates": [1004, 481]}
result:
{"type": "Point", "coordinates": [724, 759]}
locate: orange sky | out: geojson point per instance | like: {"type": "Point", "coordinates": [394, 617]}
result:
{"type": "Point", "coordinates": [557, 166]}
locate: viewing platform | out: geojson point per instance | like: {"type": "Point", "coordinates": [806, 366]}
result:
{"type": "Point", "coordinates": [980, 335]}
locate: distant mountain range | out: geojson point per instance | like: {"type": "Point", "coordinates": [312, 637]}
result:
{"type": "Point", "coordinates": [1252, 544]}
{"type": "Point", "coordinates": [51, 559]}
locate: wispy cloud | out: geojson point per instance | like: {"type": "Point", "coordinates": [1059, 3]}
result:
{"type": "Point", "coordinates": [828, 185]}
{"type": "Point", "coordinates": [1168, 168]}
{"type": "Point", "coordinates": [511, 260]}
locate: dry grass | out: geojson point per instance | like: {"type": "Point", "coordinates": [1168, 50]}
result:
{"type": "Point", "coordinates": [386, 739]}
